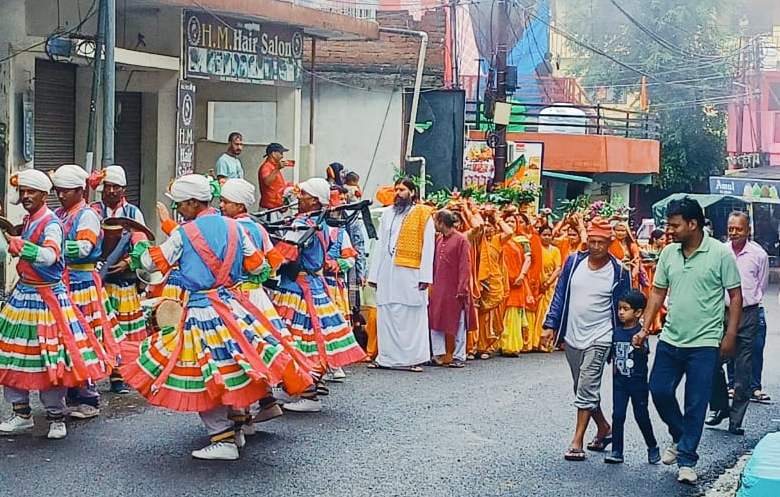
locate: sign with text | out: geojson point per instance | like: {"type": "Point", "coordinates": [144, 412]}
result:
{"type": "Point", "coordinates": [241, 50]}
{"type": "Point", "coordinates": [526, 166]}
{"type": "Point", "coordinates": [185, 132]}
{"type": "Point", "coordinates": [745, 187]}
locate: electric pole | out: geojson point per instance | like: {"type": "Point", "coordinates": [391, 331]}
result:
{"type": "Point", "coordinates": [499, 155]}
{"type": "Point", "coordinates": [109, 83]}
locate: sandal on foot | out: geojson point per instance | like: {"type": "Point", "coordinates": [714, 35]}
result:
{"type": "Point", "coordinates": [576, 455]}
{"type": "Point", "coordinates": [600, 444]}
{"type": "Point", "coordinates": [457, 364]}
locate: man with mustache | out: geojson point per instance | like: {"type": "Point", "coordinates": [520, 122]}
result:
{"type": "Point", "coordinates": [401, 271]}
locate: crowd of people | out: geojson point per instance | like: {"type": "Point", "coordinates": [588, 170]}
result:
{"type": "Point", "coordinates": [238, 316]}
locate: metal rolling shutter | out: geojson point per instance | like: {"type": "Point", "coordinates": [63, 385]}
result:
{"type": "Point", "coordinates": [128, 142]}
{"type": "Point", "coordinates": [55, 114]}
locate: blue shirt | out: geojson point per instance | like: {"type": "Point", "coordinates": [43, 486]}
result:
{"type": "Point", "coordinates": [626, 360]}
{"type": "Point", "coordinates": [229, 167]}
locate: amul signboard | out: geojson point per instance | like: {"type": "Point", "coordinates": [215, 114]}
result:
{"type": "Point", "coordinates": [241, 50]}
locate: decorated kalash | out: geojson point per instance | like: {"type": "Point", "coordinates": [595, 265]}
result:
{"type": "Point", "coordinates": [223, 356]}
{"type": "Point", "coordinates": [46, 343]}
{"type": "Point", "coordinates": [300, 292]}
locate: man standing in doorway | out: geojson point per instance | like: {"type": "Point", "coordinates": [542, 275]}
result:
{"type": "Point", "coordinates": [583, 312]}
{"type": "Point", "coordinates": [401, 271]}
{"type": "Point", "coordinates": [695, 271]}
{"type": "Point", "coordinates": [229, 165]}
{"type": "Point", "coordinates": [271, 179]}
{"type": "Point", "coordinates": [753, 265]}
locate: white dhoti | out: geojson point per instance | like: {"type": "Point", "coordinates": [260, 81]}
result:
{"type": "Point", "coordinates": [402, 335]}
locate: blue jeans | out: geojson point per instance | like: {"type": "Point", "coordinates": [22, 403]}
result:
{"type": "Point", "coordinates": [697, 365]}
{"type": "Point", "coordinates": [758, 355]}
{"type": "Point", "coordinates": [635, 390]}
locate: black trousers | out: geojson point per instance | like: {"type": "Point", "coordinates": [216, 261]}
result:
{"type": "Point", "coordinates": [743, 371]}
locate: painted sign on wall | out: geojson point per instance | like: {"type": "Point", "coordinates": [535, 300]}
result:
{"type": "Point", "coordinates": [185, 133]}
{"type": "Point", "coordinates": [478, 165]}
{"type": "Point", "coordinates": [241, 50]}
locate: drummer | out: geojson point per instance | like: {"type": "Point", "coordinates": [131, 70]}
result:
{"type": "Point", "coordinates": [120, 283]}
{"type": "Point", "coordinates": [83, 239]}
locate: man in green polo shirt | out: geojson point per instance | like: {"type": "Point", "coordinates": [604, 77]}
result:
{"type": "Point", "coordinates": [695, 272]}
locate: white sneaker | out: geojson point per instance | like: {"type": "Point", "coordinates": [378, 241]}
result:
{"type": "Point", "coordinates": [339, 374]}
{"type": "Point", "coordinates": [249, 430]}
{"type": "Point", "coordinates": [57, 430]}
{"type": "Point", "coordinates": [670, 455]}
{"type": "Point", "coordinates": [304, 405]}
{"type": "Point", "coordinates": [240, 439]}
{"type": "Point", "coordinates": [16, 424]}
{"type": "Point", "coordinates": [282, 396]}
{"type": "Point", "coordinates": [219, 451]}
{"type": "Point", "coordinates": [84, 411]}
{"type": "Point", "coordinates": [687, 475]}
{"type": "Point", "coordinates": [269, 413]}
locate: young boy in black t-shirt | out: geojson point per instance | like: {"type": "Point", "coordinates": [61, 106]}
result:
{"type": "Point", "coordinates": [629, 369]}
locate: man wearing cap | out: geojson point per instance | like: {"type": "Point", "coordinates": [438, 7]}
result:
{"type": "Point", "coordinates": [120, 283]}
{"type": "Point", "coordinates": [229, 165]}
{"type": "Point", "coordinates": [44, 344]}
{"type": "Point", "coordinates": [401, 270]}
{"type": "Point", "coordinates": [302, 298]}
{"type": "Point", "coordinates": [220, 358]}
{"type": "Point", "coordinates": [583, 314]}
{"type": "Point", "coordinates": [83, 240]}
{"type": "Point", "coordinates": [271, 179]}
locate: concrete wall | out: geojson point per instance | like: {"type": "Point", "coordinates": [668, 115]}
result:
{"type": "Point", "coordinates": [347, 129]}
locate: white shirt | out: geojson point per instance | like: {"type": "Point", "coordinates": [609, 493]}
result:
{"type": "Point", "coordinates": [590, 306]}
{"type": "Point", "coordinates": [396, 284]}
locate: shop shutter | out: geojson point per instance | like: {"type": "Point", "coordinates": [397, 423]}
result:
{"type": "Point", "coordinates": [127, 141]}
{"type": "Point", "coordinates": [55, 114]}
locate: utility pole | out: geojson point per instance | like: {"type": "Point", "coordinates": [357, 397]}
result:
{"type": "Point", "coordinates": [97, 62]}
{"type": "Point", "coordinates": [109, 83]}
{"type": "Point", "coordinates": [454, 42]}
{"type": "Point", "coordinates": [499, 155]}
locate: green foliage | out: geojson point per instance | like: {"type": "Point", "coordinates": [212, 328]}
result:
{"type": "Point", "coordinates": [698, 53]}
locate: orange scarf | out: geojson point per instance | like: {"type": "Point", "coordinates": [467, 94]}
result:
{"type": "Point", "coordinates": [408, 251]}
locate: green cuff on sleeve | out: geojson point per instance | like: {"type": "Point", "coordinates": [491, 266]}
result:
{"type": "Point", "coordinates": [135, 254]}
{"type": "Point", "coordinates": [29, 252]}
{"type": "Point", "coordinates": [71, 249]}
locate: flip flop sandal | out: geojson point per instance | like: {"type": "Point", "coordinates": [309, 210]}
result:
{"type": "Point", "coordinates": [575, 455]}
{"type": "Point", "coordinates": [436, 364]}
{"type": "Point", "coordinates": [600, 444]}
{"type": "Point", "coordinates": [457, 364]}
{"type": "Point", "coordinates": [760, 397]}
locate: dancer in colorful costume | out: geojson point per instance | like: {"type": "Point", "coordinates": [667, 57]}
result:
{"type": "Point", "coordinates": [302, 297]}
{"type": "Point", "coordinates": [83, 240]}
{"type": "Point", "coordinates": [120, 282]}
{"type": "Point", "coordinates": [220, 358]}
{"type": "Point", "coordinates": [45, 343]}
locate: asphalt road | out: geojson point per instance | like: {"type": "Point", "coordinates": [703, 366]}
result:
{"type": "Point", "coordinates": [496, 428]}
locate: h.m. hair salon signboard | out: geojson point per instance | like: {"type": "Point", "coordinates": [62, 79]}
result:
{"type": "Point", "coordinates": [241, 50]}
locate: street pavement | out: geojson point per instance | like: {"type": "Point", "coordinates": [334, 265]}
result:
{"type": "Point", "coordinates": [496, 428]}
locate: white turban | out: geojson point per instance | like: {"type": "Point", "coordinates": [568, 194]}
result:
{"type": "Point", "coordinates": [317, 187]}
{"type": "Point", "coordinates": [29, 178]}
{"type": "Point", "coordinates": [114, 175]}
{"type": "Point", "coordinates": [239, 191]}
{"type": "Point", "coordinates": [70, 176]}
{"type": "Point", "coordinates": [190, 186]}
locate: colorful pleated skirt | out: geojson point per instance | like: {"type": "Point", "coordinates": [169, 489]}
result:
{"type": "Point", "coordinates": [89, 296]}
{"type": "Point", "coordinates": [312, 317]}
{"type": "Point", "coordinates": [45, 342]}
{"type": "Point", "coordinates": [219, 354]}
{"type": "Point", "coordinates": [126, 302]}
{"type": "Point", "coordinates": [338, 291]}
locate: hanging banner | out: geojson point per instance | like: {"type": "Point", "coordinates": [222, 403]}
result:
{"type": "Point", "coordinates": [185, 133]}
{"type": "Point", "coordinates": [526, 166]}
{"type": "Point", "coordinates": [241, 50]}
{"type": "Point", "coordinates": [478, 168]}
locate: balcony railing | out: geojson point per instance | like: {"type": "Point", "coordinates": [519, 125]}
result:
{"type": "Point", "coordinates": [569, 118]}
{"type": "Point", "coordinates": [360, 9]}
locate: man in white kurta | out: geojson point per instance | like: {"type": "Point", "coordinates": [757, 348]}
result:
{"type": "Point", "coordinates": [401, 292]}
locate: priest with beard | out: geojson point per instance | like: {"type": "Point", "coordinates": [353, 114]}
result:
{"type": "Point", "coordinates": [401, 271]}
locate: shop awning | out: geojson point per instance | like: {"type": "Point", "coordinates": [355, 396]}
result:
{"type": "Point", "coordinates": [567, 177]}
{"type": "Point", "coordinates": [705, 200]}
{"type": "Point", "coordinates": [315, 22]}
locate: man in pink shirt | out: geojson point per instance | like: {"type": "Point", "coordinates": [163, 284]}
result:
{"type": "Point", "coordinates": [753, 265]}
